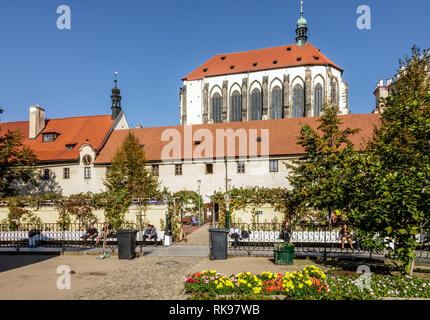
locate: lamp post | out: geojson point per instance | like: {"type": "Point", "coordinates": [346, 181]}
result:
{"type": "Point", "coordinates": [227, 210]}
{"type": "Point", "coordinates": [166, 203]}
{"type": "Point", "coordinates": [199, 182]}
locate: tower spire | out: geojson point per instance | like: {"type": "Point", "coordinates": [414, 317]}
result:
{"type": "Point", "coordinates": [116, 99]}
{"type": "Point", "coordinates": [302, 29]}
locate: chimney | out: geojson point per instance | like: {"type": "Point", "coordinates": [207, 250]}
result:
{"type": "Point", "coordinates": [37, 121]}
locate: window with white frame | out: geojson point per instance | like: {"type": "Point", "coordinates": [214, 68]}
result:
{"type": "Point", "coordinates": [273, 165]}
{"type": "Point", "coordinates": [87, 173]}
{"type": "Point", "coordinates": [241, 167]}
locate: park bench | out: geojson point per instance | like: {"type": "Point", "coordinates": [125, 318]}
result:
{"type": "Point", "coordinates": [20, 238]}
{"type": "Point", "coordinates": [60, 237]}
{"type": "Point", "coordinates": [298, 237]}
{"type": "Point", "coordinates": [160, 237]}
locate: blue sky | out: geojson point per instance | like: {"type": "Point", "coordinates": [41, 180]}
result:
{"type": "Point", "coordinates": [153, 44]}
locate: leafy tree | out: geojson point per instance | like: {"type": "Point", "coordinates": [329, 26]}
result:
{"type": "Point", "coordinates": [128, 171]}
{"type": "Point", "coordinates": [393, 191]}
{"type": "Point", "coordinates": [318, 179]}
{"type": "Point", "coordinates": [127, 178]}
{"type": "Point", "coordinates": [17, 163]}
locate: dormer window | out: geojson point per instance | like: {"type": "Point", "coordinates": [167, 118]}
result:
{"type": "Point", "coordinates": [49, 137]}
{"type": "Point", "coordinates": [70, 146]}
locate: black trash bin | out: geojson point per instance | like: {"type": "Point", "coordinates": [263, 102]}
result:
{"type": "Point", "coordinates": [126, 244]}
{"type": "Point", "coordinates": [218, 247]}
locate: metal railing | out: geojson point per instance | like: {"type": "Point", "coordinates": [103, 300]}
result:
{"type": "Point", "coordinates": [309, 240]}
{"type": "Point", "coordinates": [54, 235]}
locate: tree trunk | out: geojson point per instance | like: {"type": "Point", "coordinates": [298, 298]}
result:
{"type": "Point", "coordinates": [411, 271]}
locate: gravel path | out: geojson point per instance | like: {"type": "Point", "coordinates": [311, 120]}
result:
{"type": "Point", "coordinates": [155, 278]}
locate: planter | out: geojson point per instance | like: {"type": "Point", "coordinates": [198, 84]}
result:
{"type": "Point", "coordinates": [284, 253]}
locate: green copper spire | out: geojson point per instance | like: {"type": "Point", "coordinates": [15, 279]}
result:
{"type": "Point", "coordinates": [302, 29]}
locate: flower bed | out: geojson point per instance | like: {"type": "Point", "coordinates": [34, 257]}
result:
{"type": "Point", "coordinates": [308, 284]}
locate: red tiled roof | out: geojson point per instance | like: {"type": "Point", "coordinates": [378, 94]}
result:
{"type": "Point", "coordinates": [262, 59]}
{"type": "Point", "coordinates": [72, 131]}
{"type": "Point", "coordinates": [282, 135]}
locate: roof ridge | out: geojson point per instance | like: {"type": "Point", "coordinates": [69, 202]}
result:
{"type": "Point", "coordinates": [21, 121]}
{"type": "Point", "coordinates": [79, 117]}
{"type": "Point", "coordinates": [65, 118]}
{"type": "Point", "coordinates": [274, 47]}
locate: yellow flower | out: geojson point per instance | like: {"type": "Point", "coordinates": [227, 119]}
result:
{"type": "Point", "coordinates": [257, 290]}
{"type": "Point", "coordinates": [249, 285]}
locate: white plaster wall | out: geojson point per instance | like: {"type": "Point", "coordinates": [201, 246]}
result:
{"type": "Point", "coordinates": [122, 123]}
{"type": "Point", "coordinates": [76, 183]}
{"type": "Point", "coordinates": [256, 174]}
{"type": "Point", "coordinates": [194, 101]}
{"type": "Point", "coordinates": [153, 214]}
{"type": "Point", "coordinates": [255, 79]}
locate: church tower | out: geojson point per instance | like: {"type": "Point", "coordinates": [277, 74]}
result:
{"type": "Point", "coordinates": [302, 29]}
{"type": "Point", "coordinates": [116, 99]}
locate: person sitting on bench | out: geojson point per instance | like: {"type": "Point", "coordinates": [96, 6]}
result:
{"type": "Point", "coordinates": [91, 233]}
{"type": "Point", "coordinates": [235, 234]}
{"type": "Point", "coordinates": [150, 233]}
{"type": "Point", "coordinates": [107, 228]}
{"type": "Point", "coordinates": [286, 232]}
{"type": "Point", "coordinates": [346, 236]}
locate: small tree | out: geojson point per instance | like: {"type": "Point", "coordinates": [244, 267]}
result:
{"type": "Point", "coordinates": [127, 178]}
{"type": "Point", "coordinates": [17, 163]}
{"type": "Point", "coordinates": [318, 179]}
{"type": "Point", "coordinates": [394, 194]}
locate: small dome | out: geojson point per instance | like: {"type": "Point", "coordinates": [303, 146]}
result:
{"type": "Point", "coordinates": [301, 23]}
{"type": "Point", "coordinates": [116, 91]}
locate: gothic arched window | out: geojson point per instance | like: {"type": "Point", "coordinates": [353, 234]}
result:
{"type": "Point", "coordinates": [276, 103]}
{"type": "Point", "coordinates": [217, 108]}
{"type": "Point", "coordinates": [236, 107]}
{"type": "Point", "coordinates": [298, 101]}
{"type": "Point", "coordinates": [318, 99]}
{"type": "Point", "coordinates": [256, 105]}
{"type": "Point", "coordinates": [333, 95]}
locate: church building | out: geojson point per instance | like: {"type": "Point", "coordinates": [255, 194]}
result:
{"type": "Point", "coordinates": [289, 81]}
